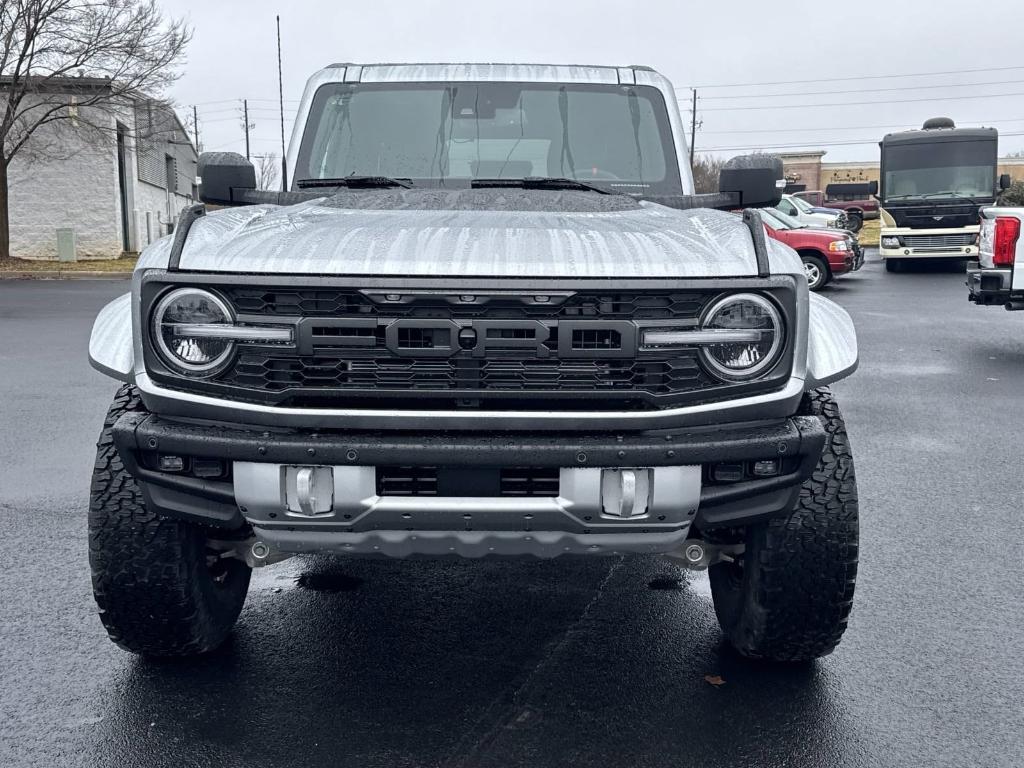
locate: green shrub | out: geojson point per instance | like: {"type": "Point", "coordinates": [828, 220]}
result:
{"type": "Point", "coordinates": [1014, 196]}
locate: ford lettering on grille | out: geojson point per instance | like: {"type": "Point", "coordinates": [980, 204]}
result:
{"type": "Point", "coordinates": [416, 338]}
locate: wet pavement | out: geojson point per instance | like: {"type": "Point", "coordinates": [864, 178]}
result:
{"type": "Point", "coordinates": [585, 662]}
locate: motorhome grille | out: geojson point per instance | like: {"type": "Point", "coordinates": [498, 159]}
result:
{"type": "Point", "coordinates": [939, 241]}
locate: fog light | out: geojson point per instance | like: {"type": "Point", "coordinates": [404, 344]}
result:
{"type": "Point", "coordinates": [727, 473]}
{"type": "Point", "coordinates": [766, 468]}
{"type": "Point", "coordinates": [171, 463]}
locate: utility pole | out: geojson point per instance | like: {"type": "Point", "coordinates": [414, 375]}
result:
{"type": "Point", "coordinates": [245, 109]}
{"type": "Point", "coordinates": [280, 96]}
{"type": "Point", "coordinates": [195, 127]}
{"type": "Point", "coordinates": [693, 126]}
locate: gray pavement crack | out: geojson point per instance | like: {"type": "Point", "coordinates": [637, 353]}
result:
{"type": "Point", "coordinates": [508, 708]}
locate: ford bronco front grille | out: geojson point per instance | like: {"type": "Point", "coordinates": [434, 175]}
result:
{"type": "Point", "coordinates": [453, 350]}
{"type": "Point", "coordinates": [277, 373]}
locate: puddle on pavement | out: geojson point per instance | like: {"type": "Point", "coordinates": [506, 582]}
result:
{"type": "Point", "coordinates": [666, 583]}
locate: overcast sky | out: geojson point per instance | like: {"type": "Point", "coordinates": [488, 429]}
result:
{"type": "Point", "coordinates": [847, 46]}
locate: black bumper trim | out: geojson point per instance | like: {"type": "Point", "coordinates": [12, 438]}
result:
{"type": "Point", "coordinates": [721, 505]}
{"type": "Point", "coordinates": [992, 287]}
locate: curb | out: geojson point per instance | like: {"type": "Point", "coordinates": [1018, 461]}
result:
{"type": "Point", "coordinates": [60, 274]}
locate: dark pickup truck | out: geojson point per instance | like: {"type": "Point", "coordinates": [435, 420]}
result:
{"type": "Point", "coordinates": [858, 200]}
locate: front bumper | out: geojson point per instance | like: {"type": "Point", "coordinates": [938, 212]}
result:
{"type": "Point", "coordinates": [990, 286]}
{"type": "Point", "coordinates": [680, 464]}
{"type": "Point", "coordinates": [858, 256]}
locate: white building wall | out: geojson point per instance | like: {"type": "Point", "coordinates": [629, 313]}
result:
{"type": "Point", "coordinates": [70, 182]}
{"type": "Point", "coordinates": [77, 189]}
{"type": "Point", "coordinates": [153, 212]}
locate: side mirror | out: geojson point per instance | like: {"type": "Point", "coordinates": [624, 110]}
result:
{"type": "Point", "coordinates": [756, 181]}
{"type": "Point", "coordinates": [1005, 182]}
{"type": "Point", "coordinates": [221, 174]}
{"type": "Point", "coordinates": [872, 188]}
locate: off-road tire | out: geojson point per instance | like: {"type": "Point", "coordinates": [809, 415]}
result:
{"type": "Point", "coordinates": [854, 222]}
{"type": "Point", "coordinates": [160, 590]}
{"type": "Point", "coordinates": [894, 265]}
{"type": "Point", "coordinates": [788, 597]}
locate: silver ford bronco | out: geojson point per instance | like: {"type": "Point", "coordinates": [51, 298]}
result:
{"type": "Point", "coordinates": [487, 315]}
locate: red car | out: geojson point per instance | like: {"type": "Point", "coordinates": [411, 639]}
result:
{"type": "Point", "coordinates": [826, 253]}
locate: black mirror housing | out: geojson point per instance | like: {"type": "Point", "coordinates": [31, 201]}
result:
{"type": "Point", "coordinates": [1005, 182]}
{"type": "Point", "coordinates": [872, 188]}
{"type": "Point", "coordinates": [222, 175]}
{"type": "Point", "coordinates": [756, 181]}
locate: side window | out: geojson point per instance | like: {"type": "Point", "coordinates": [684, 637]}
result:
{"type": "Point", "coordinates": [787, 207]}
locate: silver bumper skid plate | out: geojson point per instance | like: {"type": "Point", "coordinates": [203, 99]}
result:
{"type": "Point", "coordinates": [337, 508]}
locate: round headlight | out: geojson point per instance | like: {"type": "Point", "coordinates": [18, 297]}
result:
{"type": "Point", "coordinates": [745, 359]}
{"type": "Point", "coordinates": [191, 354]}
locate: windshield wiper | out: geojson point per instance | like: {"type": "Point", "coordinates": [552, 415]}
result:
{"type": "Point", "coordinates": [355, 182]}
{"type": "Point", "coordinates": [948, 192]}
{"type": "Point", "coordinates": [542, 182]}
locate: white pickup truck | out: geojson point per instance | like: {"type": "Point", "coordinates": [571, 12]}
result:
{"type": "Point", "coordinates": [997, 277]}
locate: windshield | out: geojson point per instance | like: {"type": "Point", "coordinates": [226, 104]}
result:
{"type": "Point", "coordinates": [778, 220]}
{"type": "Point", "coordinates": [447, 134]}
{"type": "Point", "coordinates": [950, 168]}
{"type": "Point", "coordinates": [802, 205]}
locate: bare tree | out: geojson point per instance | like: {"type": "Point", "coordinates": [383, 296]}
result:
{"type": "Point", "coordinates": [267, 170]}
{"type": "Point", "coordinates": [115, 51]}
{"type": "Point", "coordinates": [705, 173]}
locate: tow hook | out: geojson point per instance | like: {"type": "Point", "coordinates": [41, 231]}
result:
{"type": "Point", "coordinates": [697, 554]}
{"type": "Point", "coordinates": [251, 551]}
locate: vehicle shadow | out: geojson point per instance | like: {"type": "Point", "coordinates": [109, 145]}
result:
{"type": "Point", "coordinates": [516, 662]}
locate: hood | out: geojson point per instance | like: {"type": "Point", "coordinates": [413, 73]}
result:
{"type": "Point", "coordinates": [472, 233]}
{"type": "Point", "coordinates": [830, 232]}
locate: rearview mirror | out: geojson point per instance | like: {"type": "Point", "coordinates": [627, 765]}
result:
{"type": "Point", "coordinates": [1005, 182]}
{"type": "Point", "coordinates": [756, 181]}
{"type": "Point", "coordinates": [222, 175]}
{"type": "Point", "coordinates": [872, 188]}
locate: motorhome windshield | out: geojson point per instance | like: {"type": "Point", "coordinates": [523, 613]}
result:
{"type": "Point", "coordinates": [450, 134]}
{"type": "Point", "coordinates": [936, 169]}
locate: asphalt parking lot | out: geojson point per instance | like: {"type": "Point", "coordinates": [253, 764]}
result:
{"type": "Point", "coordinates": [589, 662]}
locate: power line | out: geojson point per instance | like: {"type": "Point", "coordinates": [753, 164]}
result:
{"type": "Point", "coordinates": [238, 107]}
{"type": "Point", "coordinates": [865, 90]}
{"type": "Point", "coordinates": [234, 101]}
{"type": "Point", "coordinates": [858, 127]}
{"type": "Point", "coordinates": [824, 144]}
{"type": "Point", "coordinates": [861, 77]}
{"type": "Point", "coordinates": [863, 103]}
{"type": "Point", "coordinates": [238, 117]}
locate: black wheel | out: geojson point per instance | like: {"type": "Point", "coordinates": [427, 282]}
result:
{"type": "Point", "coordinates": [816, 270]}
{"type": "Point", "coordinates": [894, 265]}
{"type": "Point", "coordinates": [788, 597]}
{"type": "Point", "coordinates": [854, 222]}
{"type": "Point", "coordinates": [161, 590]}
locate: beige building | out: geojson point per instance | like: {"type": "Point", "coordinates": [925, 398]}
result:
{"type": "Point", "coordinates": [810, 171]}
